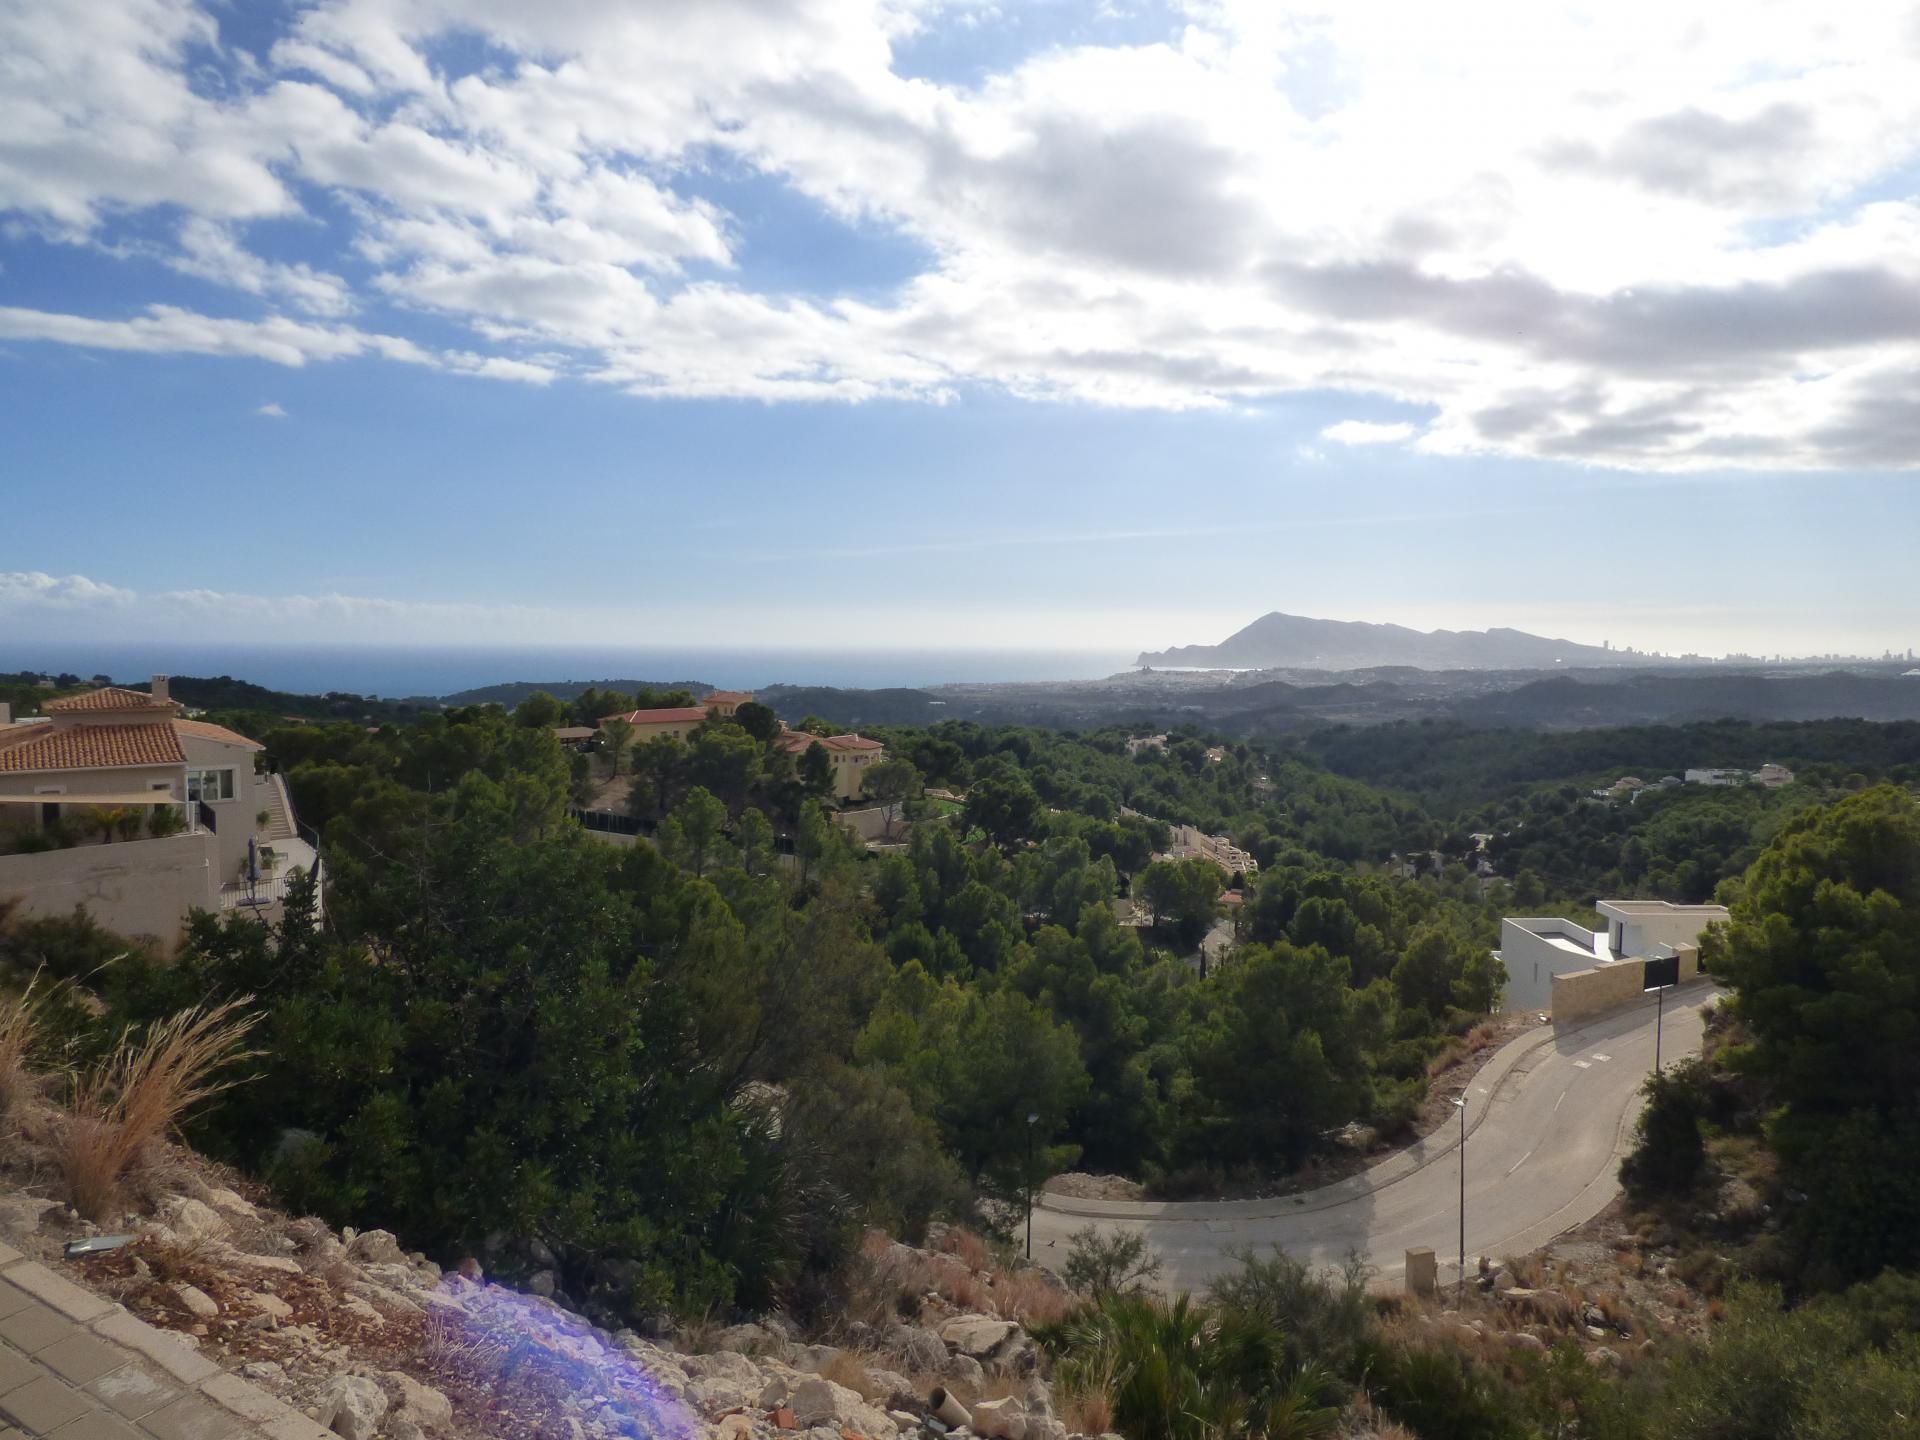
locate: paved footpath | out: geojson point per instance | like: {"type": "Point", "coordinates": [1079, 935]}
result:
{"type": "Point", "coordinates": [78, 1367]}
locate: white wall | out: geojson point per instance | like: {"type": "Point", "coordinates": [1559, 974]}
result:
{"type": "Point", "coordinates": [233, 819]}
{"type": "Point", "coordinates": [1641, 929]}
{"type": "Point", "coordinates": [137, 887]}
{"type": "Point", "coordinates": [1532, 960]}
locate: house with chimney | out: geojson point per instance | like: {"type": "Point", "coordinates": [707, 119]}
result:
{"type": "Point", "coordinates": [118, 802]}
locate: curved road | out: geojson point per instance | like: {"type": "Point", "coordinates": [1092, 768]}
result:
{"type": "Point", "coordinates": [1548, 1119]}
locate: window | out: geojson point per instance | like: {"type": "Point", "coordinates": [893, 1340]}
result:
{"type": "Point", "coordinates": [210, 785]}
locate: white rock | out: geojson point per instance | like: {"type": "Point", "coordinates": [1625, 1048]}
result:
{"type": "Point", "coordinates": [231, 1202]}
{"type": "Point", "coordinates": [964, 1370]}
{"type": "Point", "coordinates": [812, 1358]}
{"type": "Point", "coordinates": [774, 1393]}
{"type": "Point", "coordinates": [193, 1220]}
{"type": "Point", "coordinates": [377, 1247]}
{"type": "Point", "coordinates": [977, 1335]}
{"type": "Point", "coordinates": [722, 1365]}
{"type": "Point", "coordinates": [716, 1395]}
{"type": "Point", "coordinates": [1003, 1419]}
{"type": "Point", "coordinates": [419, 1403]}
{"type": "Point", "coordinates": [267, 1303]}
{"type": "Point", "coordinates": [821, 1402]}
{"type": "Point", "coordinates": [352, 1406]}
{"type": "Point", "coordinates": [889, 1383]}
{"type": "Point", "coordinates": [390, 1303]}
{"type": "Point", "coordinates": [746, 1339]}
{"type": "Point", "coordinates": [922, 1351]}
{"type": "Point", "coordinates": [196, 1300]}
{"type": "Point", "coordinates": [279, 1264]}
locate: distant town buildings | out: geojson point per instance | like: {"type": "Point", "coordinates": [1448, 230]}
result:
{"type": "Point", "coordinates": [1770, 775]}
{"type": "Point", "coordinates": [1630, 787]}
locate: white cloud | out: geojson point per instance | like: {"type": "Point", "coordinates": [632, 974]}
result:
{"type": "Point", "coordinates": [210, 250]}
{"type": "Point", "coordinates": [272, 410]}
{"type": "Point", "coordinates": [1368, 432]}
{"type": "Point", "coordinates": [75, 609]}
{"type": "Point", "coordinates": [35, 589]}
{"type": "Point", "coordinates": [1639, 234]}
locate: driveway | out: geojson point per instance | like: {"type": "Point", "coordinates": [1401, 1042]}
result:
{"type": "Point", "coordinates": [1548, 1120]}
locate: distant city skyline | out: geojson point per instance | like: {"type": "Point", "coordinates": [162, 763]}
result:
{"type": "Point", "coordinates": [941, 324]}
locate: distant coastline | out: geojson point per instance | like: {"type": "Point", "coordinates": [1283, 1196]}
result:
{"type": "Point", "coordinates": [401, 672]}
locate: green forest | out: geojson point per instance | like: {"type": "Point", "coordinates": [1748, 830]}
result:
{"type": "Point", "coordinates": [694, 1069]}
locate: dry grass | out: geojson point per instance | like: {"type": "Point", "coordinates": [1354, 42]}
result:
{"type": "Point", "coordinates": [19, 1030]}
{"type": "Point", "coordinates": [1031, 1298]}
{"type": "Point", "coordinates": [882, 1286]}
{"type": "Point", "coordinates": [1089, 1412]}
{"type": "Point", "coordinates": [847, 1369]}
{"type": "Point", "coordinates": [139, 1092]}
{"type": "Point", "coordinates": [968, 1248]}
{"type": "Point", "coordinates": [449, 1343]}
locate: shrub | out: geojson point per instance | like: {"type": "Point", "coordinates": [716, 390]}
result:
{"type": "Point", "coordinates": [138, 1092]}
{"type": "Point", "coordinates": [1102, 1265]}
{"type": "Point", "coordinates": [1669, 1151]}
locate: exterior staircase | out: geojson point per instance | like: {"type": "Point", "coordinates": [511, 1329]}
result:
{"type": "Point", "coordinates": [271, 791]}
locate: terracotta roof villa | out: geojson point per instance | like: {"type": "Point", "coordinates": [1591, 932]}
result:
{"type": "Point", "coordinates": [180, 795]}
{"type": "Point", "coordinates": [851, 755]}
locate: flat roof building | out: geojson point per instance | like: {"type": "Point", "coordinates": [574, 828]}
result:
{"type": "Point", "coordinates": [1536, 948]}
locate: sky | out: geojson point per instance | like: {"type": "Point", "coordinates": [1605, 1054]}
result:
{"type": "Point", "coordinates": [871, 324]}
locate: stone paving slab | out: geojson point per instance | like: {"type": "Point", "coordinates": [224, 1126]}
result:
{"type": "Point", "coordinates": [75, 1366]}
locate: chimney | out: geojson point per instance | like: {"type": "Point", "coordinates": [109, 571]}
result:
{"type": "Point", "coordinates": [160, 688]}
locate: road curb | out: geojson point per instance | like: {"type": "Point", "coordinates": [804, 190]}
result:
{"type": "Point", "coordinates": [1390, 1170]}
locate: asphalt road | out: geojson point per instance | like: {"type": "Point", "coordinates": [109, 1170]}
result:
{"type": "Point", "coordinates": [1548, 1119]}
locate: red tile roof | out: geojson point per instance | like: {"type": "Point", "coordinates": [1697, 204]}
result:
{"type": "Point", "coordinates": [799, 741]}
{"type": "Point", "coordinates": [683, 715]}
{"type": "Point", "coordinates": [89, 747]}
{"type": "Point", "coordinates": [112, 697]}
{"type": "Point", "coordinates": [204, 730]}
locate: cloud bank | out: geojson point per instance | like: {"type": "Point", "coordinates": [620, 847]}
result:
{"type": "Point", "coordinates": [1659, 236]}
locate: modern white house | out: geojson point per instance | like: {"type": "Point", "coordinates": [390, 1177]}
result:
{"type": "Point", "coordinates": [117, 802]}
{"type": "Point", "coordinates": [1536, 948]}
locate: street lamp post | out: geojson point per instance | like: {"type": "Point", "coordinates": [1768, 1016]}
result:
{"type": "Point", "coordinates": [1033, 1118]}
{"type": "Point", "coordinates": [1461, 1103]}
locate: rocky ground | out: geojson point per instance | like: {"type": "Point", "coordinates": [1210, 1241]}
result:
{"type": "Point", "coordinates": [379, 1343]}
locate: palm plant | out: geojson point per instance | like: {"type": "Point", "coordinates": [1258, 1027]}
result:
{"type": "Point", "coordinates": [1169, 1370]}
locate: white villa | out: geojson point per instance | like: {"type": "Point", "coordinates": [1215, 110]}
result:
{"type": "Point", "coordinates": [80, 790]}
{"type": "Point", "coordinates": [1536, 948]}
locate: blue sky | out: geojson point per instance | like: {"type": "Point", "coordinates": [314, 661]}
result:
{"type": "Point", "coordinates": [864, 324]}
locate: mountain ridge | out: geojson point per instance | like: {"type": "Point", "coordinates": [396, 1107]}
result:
{"type": "Point", "coordinates": [1278, 640]}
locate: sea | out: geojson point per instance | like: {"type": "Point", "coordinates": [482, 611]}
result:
{"type": "Point", "coordinates": [396, 672]}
